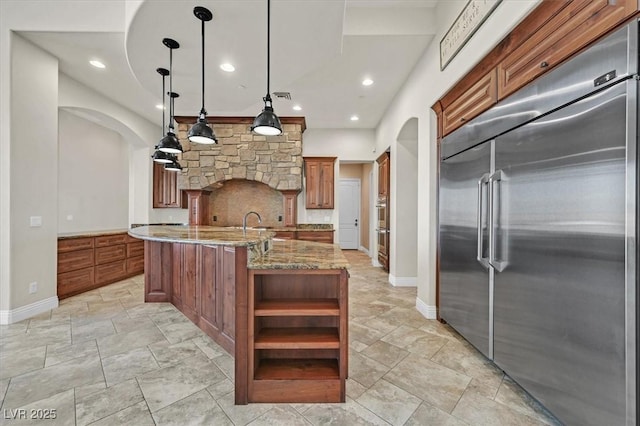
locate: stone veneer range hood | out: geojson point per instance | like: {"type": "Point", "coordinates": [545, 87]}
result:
{"type": "Point", "coordinates": [275, 161]}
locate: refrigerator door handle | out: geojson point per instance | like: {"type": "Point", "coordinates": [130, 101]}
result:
{"type": "Point", "coordinates": [498, 265]}
{"type": "Point", "coordinates": [483, 260]}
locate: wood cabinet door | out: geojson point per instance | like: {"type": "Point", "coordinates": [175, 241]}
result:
{"type": "Point", "coordinates": [326, 185]}
{"type": "Point", "coordinates": [573, 28]}
{"type": "Point", "coordinates": [383, 175]}
{"type": "Point", "coordinates": [312, 181]}
{"type": "Point", "coordinates": [165, 188]}
{"type": "Point", "coordinates": [475, 100]}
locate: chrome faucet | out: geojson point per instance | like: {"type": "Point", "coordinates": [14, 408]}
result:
{"type": "Point", "coordinates": [244, 220]}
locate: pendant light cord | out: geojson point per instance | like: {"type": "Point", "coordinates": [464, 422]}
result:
{"type": "Point", "coordinates": [268, 45]}
{"type": "Point", "coordinates": [171, 89]}
{"type": "Point", "coordinates": [202, 111]}
{"type": "Point", "coordinates": [163, 104]}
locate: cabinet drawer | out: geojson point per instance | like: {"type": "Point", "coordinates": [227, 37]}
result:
{"type": "Point", "coordinates": [70, 261]}
{"type": "Point", "coordinates": [110, 272]}
{"type": "Point", "coordinates": [135, 249]}
{"type": "Point", "coordinates": [72, 244]}
{"type": "Point", "coordinates": [477, 99]}
{"type": "Point", "coordinates": [135, 265]}
{"type": "Point", "coordinates": [286, 235]}
{"type": "Point", "coordinates": [110, 254]}
{"type": "Point", "coordinates": [319, 237]}
{"type": "Point", "coordinates": [75, 282]}
{"type": "Point", "coordinates": [570, 30]}
{"type": "Point", "coordinates": [110, 240]}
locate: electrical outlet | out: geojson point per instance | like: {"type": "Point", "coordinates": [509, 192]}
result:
{"type": "Point", "coordinates": [69, 217]}
{"type": "Point", "coordinates": [327, 218]}
{"type": "Point", "coordinates": [279, 218]}
{"type": "Point", "coordinates": [35, 221]}
{"type": "Point", "coordinates": [33, 287]}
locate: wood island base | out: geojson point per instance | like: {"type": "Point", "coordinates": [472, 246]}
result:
{"type": "Point", "coordinates": [286, 328]}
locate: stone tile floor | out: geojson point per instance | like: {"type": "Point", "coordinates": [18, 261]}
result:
{"type": "Point", "coordinates": [107, 358]}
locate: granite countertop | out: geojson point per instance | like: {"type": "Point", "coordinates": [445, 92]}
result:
{"type": "Point", "coordinates": [321, 227]}
{"type": "Point", "coordinates": [296, 254]}
{"type": "Point", "coordinates": [200, 234]}
{"type": "Point", "coordinates": [84, 234]}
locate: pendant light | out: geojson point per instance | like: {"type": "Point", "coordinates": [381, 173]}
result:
{"type": "Point", "coordinates": [159, 156]}
{"type": "Point", "coordinates": [267, 122]}
{"type": "Point", "coordinates": [170, 142]}
{"type": "Point", "coordinates": [201, 132]}
{"type": "Point", "coordinates": [173, 166]}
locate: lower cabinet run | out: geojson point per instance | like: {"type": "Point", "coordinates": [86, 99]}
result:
{"type": "Point", "coordinates": [297, 329]}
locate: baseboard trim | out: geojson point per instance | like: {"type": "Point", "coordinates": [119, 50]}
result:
{"type": "Point", "coordinates": [364, 250]}
{"type": "Point", "coordinates": [28, 311]}
{"type": "Point", "coordinates": [427, 311]}
{"type": "Point", "coordinates": [375, 262]}
{"type": "Point", "coordinates": [403, 281]}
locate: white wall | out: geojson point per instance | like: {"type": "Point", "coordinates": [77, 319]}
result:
{"type": "Point", "coordinates": [31, 90]}
{"type": "Point", "coordinates": [347, 145]}
{"type": "Point", "coordinates": [33, 152]}
{"type": "Point", "coordinates": [93, 176]}
{"type": "Point", "coordinates": [426, 84]}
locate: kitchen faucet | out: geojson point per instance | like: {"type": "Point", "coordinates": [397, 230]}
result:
{"type": "Point", "coordinates": [244, 220]}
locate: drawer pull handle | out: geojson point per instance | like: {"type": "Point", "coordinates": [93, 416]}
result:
{"type": "Point", "coordinates": [544, 64]}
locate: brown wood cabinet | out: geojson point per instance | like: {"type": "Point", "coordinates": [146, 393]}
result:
{"type": "Point", "coordinates": [553, 32]}
{"type": "Point", "coordinates": [319, 182]}
{"type": "Point", "coordinates": [200, 281]}
{"type": "Point", "coordinates": [165, 188]}
{"type": "Point", "coordinates": [298, 342]}
{"type": "Point", "coordinates": [573, 28]}
{"type": "Point", "coordinates": [472, 102]}
{"type": "Point", "coordinates": [317, 236]}
{"type": "Point", "coordinates": [383, 209]}
{"type": "Point", "coordinates": [85, 263]}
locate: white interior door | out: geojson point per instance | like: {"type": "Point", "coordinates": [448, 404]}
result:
{"type": "Point", "coordinates": [349, 213]}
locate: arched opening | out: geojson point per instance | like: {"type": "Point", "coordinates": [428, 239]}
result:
{"type": "Point", "coordinates": [404, 237]}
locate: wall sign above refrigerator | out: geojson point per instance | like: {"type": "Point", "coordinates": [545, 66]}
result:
{"type": "Point", "coordinates": [466, 24]}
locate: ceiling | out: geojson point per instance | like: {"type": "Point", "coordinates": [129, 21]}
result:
{"type": "Point", "coordinates": [321, 50]}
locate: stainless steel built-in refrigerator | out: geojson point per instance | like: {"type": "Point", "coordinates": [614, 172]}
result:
{"type": "Point", "coordinates": [538, 217]}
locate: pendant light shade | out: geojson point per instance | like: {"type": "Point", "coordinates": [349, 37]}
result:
{"type": "Point", "coordinates": [174, 166]}
{"type": "Point", "coordinates": [169, 143]}
{"type": "Point", "coordinates": [159, 156]}
{"type": "Point", "coordinates": [200, 132]}
{"type": "Point", "coordinates": [162, 157]}
{"type": "Point", "coordinates": [267, 122]}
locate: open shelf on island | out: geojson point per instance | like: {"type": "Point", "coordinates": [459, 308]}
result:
{"type": "Point", "coordinates": [297, 328]}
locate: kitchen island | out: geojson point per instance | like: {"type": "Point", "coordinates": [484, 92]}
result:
{"type": "Point", "coordinates": [280, 307]}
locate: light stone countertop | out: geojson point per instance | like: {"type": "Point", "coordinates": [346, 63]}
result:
{"type": "Point", "coordinates": [283, 254]}
{"type": "Point", "coordinates": [201, 234]}
{"type": "Point", "coordinates": [296, 254]}
{"type": "Point", "coordinates": [84, 234]}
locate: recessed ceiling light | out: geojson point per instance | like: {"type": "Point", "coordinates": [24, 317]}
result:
{"type": "Point", "coordinates": [97, 64]}
{"type": "Point", "coordinates": [160, 106]}
{"type": "Point", "coordinates": [367, 82]}
{"type": "Point", "coordinates": [227, 67]}
{"type": "Point", "coordinates": [355, 118]}
{"type": "Point", "coordinates": [297, 108]}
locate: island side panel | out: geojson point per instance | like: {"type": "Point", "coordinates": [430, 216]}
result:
{"type": "Point", "coordinates": [241, 327]}
{"type": "Point", "coordinates": [158, 261]}
{"type": "Point", "coordinates": [200, 281]}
